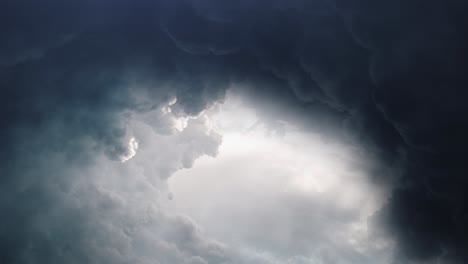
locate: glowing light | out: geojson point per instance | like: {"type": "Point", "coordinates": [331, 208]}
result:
{"type": "Point", "coordinates": [258, 170]}
{"type": "Point", "coordinates": [132, 147]}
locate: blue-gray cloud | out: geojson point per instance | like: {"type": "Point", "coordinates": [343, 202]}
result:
{"type": "Point", "coordinates": [74, 76]}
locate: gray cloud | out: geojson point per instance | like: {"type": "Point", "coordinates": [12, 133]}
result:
{"type": "Point", "coordinates": [79, 80]}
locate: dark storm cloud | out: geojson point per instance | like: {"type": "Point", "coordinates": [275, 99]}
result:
{"type": "Point", "coordinates": [72, 101]}
{"type": "Point", "coordinates": [418, 65]}
{"type": "Point", "coordinates": [390, 73]}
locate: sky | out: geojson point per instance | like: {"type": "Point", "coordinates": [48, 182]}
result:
{"type": "Point", "coordinates": [233, 132]}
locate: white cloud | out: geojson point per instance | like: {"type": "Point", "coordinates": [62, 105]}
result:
{"type": "Point", "coordinates": [264, 199]}
{"type": "Point", "coordinates": [296, 197]}
{"type": "Point", "coordinates": [130, 152]}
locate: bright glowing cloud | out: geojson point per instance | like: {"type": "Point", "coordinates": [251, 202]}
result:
{"type": "Point", "coordinates": [292, 195]}
{"type": "Point", "coordinates": [130, 152]}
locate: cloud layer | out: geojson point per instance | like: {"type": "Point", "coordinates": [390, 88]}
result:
{"type": "Point", "coordinates": [80, 80]}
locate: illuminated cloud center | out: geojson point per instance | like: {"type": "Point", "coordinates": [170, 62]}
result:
{"type": "Point", "coordinates": [290, 196]}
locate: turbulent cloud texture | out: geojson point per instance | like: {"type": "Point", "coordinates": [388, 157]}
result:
{"type": "Point", "coordinates": [87, 84]}
{"type": "Point", "coordinates": [291, 193]}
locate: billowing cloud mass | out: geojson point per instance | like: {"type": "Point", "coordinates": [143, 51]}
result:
{"type": "Point", "coordinates": [86, 85]}
{"type": "Point", "coordinates": [290, 193]}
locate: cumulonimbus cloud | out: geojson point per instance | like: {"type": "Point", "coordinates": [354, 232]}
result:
{"type": "Point", "coordinates": [77, 78]}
